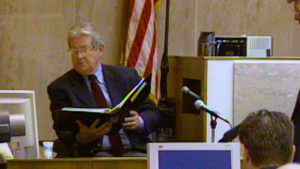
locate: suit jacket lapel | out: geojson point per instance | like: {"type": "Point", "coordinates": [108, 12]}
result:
{"type": "Point", "coordinates": [81, 90]}
{"type": "Point", "coordinates": [113, 83]}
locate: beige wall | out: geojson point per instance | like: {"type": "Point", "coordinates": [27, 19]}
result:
{"type": "Point", "coordinates": [33, 49]}
{"type": "Point", "coordinates": [233, 17]}
{"type": "Point", "coordinates": [256, 86]}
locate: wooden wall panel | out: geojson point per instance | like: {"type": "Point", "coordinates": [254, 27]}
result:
{"type": "Point", "coordinates": [255, 17]}
{"type": "Point", "coordinates": [189, 127]}
{"type": "Point", "coordinates": [33, 43]}
{"type": "Point", "coordinates": [273, 86]}
{"type": "Point", "coordinates": [222, 17]}
{"type": "Point", "coordinates": [183, 28]}
{"type": "Point", "coordinates": [80, 163]}
{"type": "Point", "coordinates": [50, 165]}
{"type": "Point", "coordinates": [109, 17]}
{"type": "Point", "coordinates": [33, 50]}
{"type": "Point", "coordinates": [274, 18]}
{"type": "Point", "coordinates": [120, 164]}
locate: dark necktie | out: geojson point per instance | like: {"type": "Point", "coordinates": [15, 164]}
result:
{"type": "Point", "coordinates": [114, 138]}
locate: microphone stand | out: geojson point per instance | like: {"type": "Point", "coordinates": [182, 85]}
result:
{"type": "Point", "coordinates": [214, 115]}
{"type": "Point", "coordinates": [213, 125]}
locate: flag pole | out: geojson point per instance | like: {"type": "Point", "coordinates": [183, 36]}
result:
{"type": "Point", "coordinates": [167, 108]}
{"type": "Point", "coordinates": [164, 60]}
{"type": "Point", "coordinates": [123, 51]}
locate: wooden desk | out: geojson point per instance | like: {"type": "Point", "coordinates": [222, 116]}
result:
{"type": "Point", "coordinates": [80, 163]}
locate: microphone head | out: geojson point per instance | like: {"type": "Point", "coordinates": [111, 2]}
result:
{"type": "Point", "coordinates": [199, 104]}
{"type": "Point", "coordinates": [185, 89]}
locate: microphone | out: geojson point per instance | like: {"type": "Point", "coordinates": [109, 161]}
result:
{"type": "Point", "coordinates": [189, 92]}
{"type": "Point", "coordinates": [199, 104]}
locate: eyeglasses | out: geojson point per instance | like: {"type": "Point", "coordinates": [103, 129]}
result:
{"type": "Point", "coordinates": [84, 50]}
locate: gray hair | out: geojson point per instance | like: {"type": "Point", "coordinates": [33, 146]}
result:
{"type": "Point", "coordinates": [85, 29]}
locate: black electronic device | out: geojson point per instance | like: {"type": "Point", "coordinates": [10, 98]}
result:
{"type": "Point", "coordinates": [231, 46]}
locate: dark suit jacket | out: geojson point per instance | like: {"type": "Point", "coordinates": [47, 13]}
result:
{"type": "Point", "coordinates": [70, 90]}
{"type": "Point", "coordinates": [296, 120]}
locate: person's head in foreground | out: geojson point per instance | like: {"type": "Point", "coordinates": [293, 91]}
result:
{"type": "Point", "coordinates": [267, 139]}
{"type": "Point", "coordinates": [290, 166]}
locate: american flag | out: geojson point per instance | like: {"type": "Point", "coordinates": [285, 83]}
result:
{"type": "Point", "coordinates": [141, 44]}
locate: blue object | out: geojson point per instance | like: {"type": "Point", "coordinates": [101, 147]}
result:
{"type": "Point", "coordinates": [195, 159]}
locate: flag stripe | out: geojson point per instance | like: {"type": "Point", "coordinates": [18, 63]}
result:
{"type": "Point", "coordinates": [149, 66]}
{"type": "Point", "coordinates": [131, 7]}
{"type": "Point", "coordinates": [144, 57]}
{"type": "Point", "coordinates": [140, 34]}
{"type": "Point", "coordinates": [134, 19]}
{"type": "Point", "coordinates": [141, 45]}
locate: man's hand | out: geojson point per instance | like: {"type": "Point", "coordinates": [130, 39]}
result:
{"type": "Point", "coordinates": [89, 134]}
{"type": "Point", "coordinates": [133, 122]}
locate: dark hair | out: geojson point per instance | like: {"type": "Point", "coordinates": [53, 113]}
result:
{"type": "Point", "coordinates": [268, 137]}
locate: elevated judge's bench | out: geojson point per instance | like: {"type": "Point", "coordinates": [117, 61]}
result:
{"type": "Point", "coordinates": [234, 86]}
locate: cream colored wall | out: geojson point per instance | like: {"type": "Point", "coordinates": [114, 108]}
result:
{"type": "Point", "coordinates": [271, 85]}
{"type": "Point", "coordinates": [233, 17]}
{"type": "Point", "coordinates": [33, 49]}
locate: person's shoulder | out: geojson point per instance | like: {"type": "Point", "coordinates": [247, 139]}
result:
{"type": "Point", "coordinates": [125, 74]}
{"type": "Point", "coordinates": [120, 69]}
{"type": "Point", "coordinates": [63, 79]}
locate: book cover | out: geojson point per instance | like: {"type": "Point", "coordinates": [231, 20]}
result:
{"type": "Point", "coordinates": [115, 114]}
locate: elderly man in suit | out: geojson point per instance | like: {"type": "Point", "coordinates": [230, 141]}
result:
{"type": "Point", "coordinates": [91, 83]}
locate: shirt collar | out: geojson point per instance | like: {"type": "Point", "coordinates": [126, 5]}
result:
{"type": "Point", "coordinates": [98, 74]}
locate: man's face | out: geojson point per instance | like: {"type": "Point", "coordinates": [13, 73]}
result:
{"type": "Point", "coordinates": [85, 58]}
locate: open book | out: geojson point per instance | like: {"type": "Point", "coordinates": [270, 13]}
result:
{"type": "Point", "coordinates": [116, 114]}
